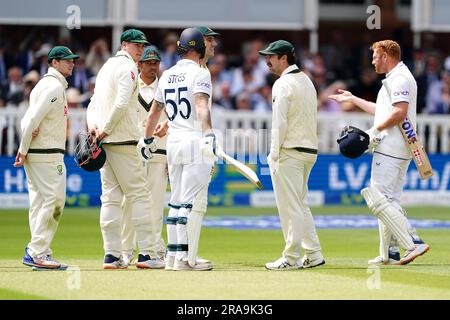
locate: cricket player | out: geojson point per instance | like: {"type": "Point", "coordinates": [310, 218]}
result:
{"type": "Point", "coordinates": [293, 152]}
{"type": "Point", "coordinates": [155, 168]}
{"type": "Point", "coordinates": [210, 38]}
{"type": "Point", "coordinates": [113, 115]}
{"type": "Point", "coordinates": [184, 92]}
{"type": "Point", "coordinates": [42, 155]}
{"type": "Point", "coordinates": [391, 156]}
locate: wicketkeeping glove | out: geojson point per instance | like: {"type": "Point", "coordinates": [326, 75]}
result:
{"type": "Point", "coordinates": [146, 147]}
{"type": "Point", "coordinates": [208, 147]}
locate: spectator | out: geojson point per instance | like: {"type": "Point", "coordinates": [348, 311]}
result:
{"type": "Point", "coordinates": [26, 59]}
{"type": "Point", "coordinates": [169, 57]}
{"type": "Point", "coordinates": [247, 78]}
{"type": "Point", "coordinates": [97, 55]}
{"type": "Point", "coordinates": [5, 63]}
{"type": "Point", "coordinates": [224, 99]}
{"type": "Point", "coordinates": [13, 91]}
{"type": "Point", "coordinates": [367, 85]}
{"type": "Point", "coordinates": [86, 97]}
{"type": "Point", "coordinates": [438, 97]}
{"type": "Point", "coordinates": [41, 63]}
{"type": "Point", "coordinates": [430, 75]}
{"type": "Point", "coordinates": [243, 102]}
{"type": "Point", "coordinates": [80, 75]}
{"type": "Point", "coordinates": [263, 100]}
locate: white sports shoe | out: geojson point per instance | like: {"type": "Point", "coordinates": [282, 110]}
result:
{"type": "Point", "coordinates": [312, 263]}
{"type": "Point", "coordinates": [47, 261]}
{"type": "Point", "coordinates": [410, 255]}
{"type": "Point", "coordinates": [378, 261]}
{"type": "Point", "coordinates": [182, 265]}
{"type": "Point", "coordinates": [145, 262]}
{"type": "Point", "coordinates": [112, 263]}
{"type": "Point", "coordinates": [282, 264]}
{"type": "Point", "coordinates": [170, 260]}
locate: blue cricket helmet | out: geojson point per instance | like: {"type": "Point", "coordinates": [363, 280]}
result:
{"type": "Point", "coordinates": [191, 39]}
{"type": "Point", "coordinates": [353, 142]}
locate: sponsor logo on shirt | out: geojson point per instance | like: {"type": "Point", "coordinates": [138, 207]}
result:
{"type": "Point", "coordinates": [401, 93]}
{"type": "Point", "coordinates": [203, 84]}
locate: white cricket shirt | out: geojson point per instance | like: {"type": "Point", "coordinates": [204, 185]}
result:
{"type": "Point", "coordinates": [398, 86]}
{"type": "Point", "coordinates": [176, 89]}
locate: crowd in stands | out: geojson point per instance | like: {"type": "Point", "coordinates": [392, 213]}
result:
{"type": "Point", "coordinates": [241, 80]}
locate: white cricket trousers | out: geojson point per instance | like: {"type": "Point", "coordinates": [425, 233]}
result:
{"type": "Point", "coordinates": [189, 178]}
{"type": "Point", "coordinates": [290, 184]}
{"type": "Point", "coordinates": [47, 193]}
{"type": "Point", "coordinates": [389, 176]}
{"type": "Point", "coordinates": [156, 183]}
{"type": "Point", "coordinates": [122, 175]}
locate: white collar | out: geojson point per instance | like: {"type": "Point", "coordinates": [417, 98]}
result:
{"type": "Point", "coordinates": [52, 71]}
{"type": "Point", "coordinates": [124, 53]}
{"type": "Point", "coordinates": [142, 84]}
{"type": "Point", "coordinates": [289, 69]}
{"type": "Point", "coordinates": [399, 65]}
{"type": "Point", "coordinates": [187, 61]}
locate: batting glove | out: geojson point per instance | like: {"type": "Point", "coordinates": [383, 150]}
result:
{"type": "Point", "coordinates": [208, 147]}
{"type": "Point", "coordinates": [146, 147]}
{"type": "Point", "coordinates": [375, 137]}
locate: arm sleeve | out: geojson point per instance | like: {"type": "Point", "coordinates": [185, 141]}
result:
{"type": "Point", "coordinates": [45, 102]}
{"type": "Point", "coordinates": [280, 107]}
{"type": "Point", "coordinates": [126, 82]}
{"type": "Point", "coordinates": [400, 90]}
{"type": "Point", "coordinates": [202, 83]}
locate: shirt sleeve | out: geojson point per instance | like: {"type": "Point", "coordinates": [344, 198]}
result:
{"type": "Point", "coordinates": [126, 84]}
{"type": "Point", "coordinates": [202, 83]}
{"type": "Point", "coordinates": [48, 99]}
{"type": "Point", "coordinates": [280, 108]}
{"type": "Point", "coordinates": [400, 90]}
{"type": "Point", "coordinates": [159, 94]}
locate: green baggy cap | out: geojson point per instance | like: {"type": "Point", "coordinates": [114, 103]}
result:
{"type": "Point", "coordinates": [61, 53]}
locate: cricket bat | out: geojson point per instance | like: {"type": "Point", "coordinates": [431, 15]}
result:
{"type": "Point", "coordinates": [242, 168]}
{"type": "Point", "coordinates": [418, 153]}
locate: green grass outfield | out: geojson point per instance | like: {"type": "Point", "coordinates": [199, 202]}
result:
{"type": "Point", "coordinates": [239, 257]}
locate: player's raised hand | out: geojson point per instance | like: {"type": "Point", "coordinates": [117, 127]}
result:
{"type": "Point", "coordinates": [342, 96]}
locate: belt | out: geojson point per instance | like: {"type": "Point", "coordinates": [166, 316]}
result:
{"type": "Point", "coordinates": [306, 150]}
{"type": "Point", "coordinates": [46, 151]}
{"type": "Point", "coordinates": [133, 143]}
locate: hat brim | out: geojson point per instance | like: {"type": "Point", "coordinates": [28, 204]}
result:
{"type": "Point", "coordinates": [71, 56]}
{"type": "Point", "coordinates": [266, 53]}
{"type": "Point", "coordinates": [152, 58]}
{"type": "Point", "coordinates": [211, 34]}
{"type": "Point", "coordinates": [141, 41]}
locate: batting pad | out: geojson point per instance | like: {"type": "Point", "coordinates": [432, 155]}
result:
{"type": "Point", "coordinates": [389, 215]}
{"type": "Point", "coordinates": [194, 224]}
{"type": "Point", "coordinates": [385, 240]}
{"type": "Point", "coordinates": [194, 227]}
